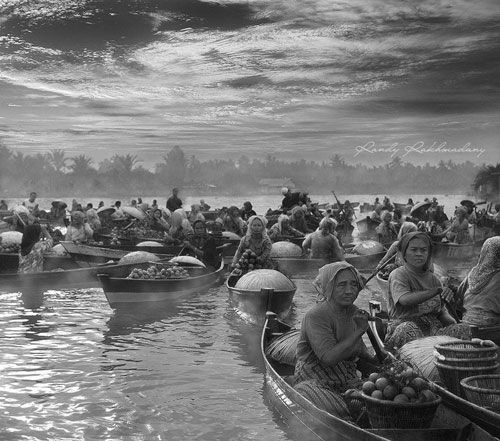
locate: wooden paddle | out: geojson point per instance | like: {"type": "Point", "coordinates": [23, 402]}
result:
{"type": "Point", "coordinates": [382, 267]}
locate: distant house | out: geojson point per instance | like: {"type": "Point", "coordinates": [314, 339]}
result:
{"type": "Point", "coordinates": [274, 185]}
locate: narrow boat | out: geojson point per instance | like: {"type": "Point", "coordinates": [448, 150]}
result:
{"type": "Point", "coordinates": [121, 291]}
{"type": "Point", "coordinates": [448, 250]}
{"type": "Point", "coordinates": [9, 262]}
{"type": "Point", "coordinates": [310, 422]}
{"type": "Point", "coordinates": [254, 303]}
{"type": "Point", "coordinates": [485, 418]}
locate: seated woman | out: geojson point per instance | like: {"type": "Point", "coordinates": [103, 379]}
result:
{"type": "Point", "coordinates": [32, 248]}
{"type": "Point", "coordinates": [323, 243]}
{"type": "Point", "coordinates": [386, 231]}
{"type": "Point", "coordinates": [298, 220]}
{"type": "Point", "coordinates": [180, 228]}
{"type": "Point", "coordinates": [247, 211]}
{"type": "Point", "coordinates": [407, 227]}
{"type": "Point", "coordinates": [330, 341]}
{"type": "Point", "coordinates": [282, 230]}
{"type": "Point", "coordinates": [458, 232]}
{"type": "Point", "coordinates": [233, 221]}
{"type": "Point", "coordinates": [202, 245]}
{"type": "Point", "coordinates": [257, 240]}
{"type": "Point", "coordinates": [79, 230]}
{"type": "Point", "coordinates": [416, 297]}
{"type": "Point", "coordinates": [481, 287]}
{"type": "Point", "coordinates": [157, 222]}
{"type": "Point", "coordinates": [195, 214]}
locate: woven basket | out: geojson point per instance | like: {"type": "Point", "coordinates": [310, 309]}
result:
{"type": "Point", "coordinates": [483, 390]}
{"type": "Point", "coordinates": [390, 415]}
{"type": "Point", "coordinates": [466, 362]}
{"type": "Point", "coordinates": [452, 375]}
{"type": "Point", "coordinates": [467, 349]}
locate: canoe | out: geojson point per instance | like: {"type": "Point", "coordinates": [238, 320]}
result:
{"type": "Point", "coordinates": [121, 291]}
{"type": "Point", "coordinates": [484, 418]}
{"type": "Point", "coordinates": [254, 303]}
{"type": "Point", "coordinates": [310, 422]}
{"type": "Point", "coordinates": [447, 250]}
{"type": "Point", "coordinates": [71, 278]}
{"type": "Point", "coordinates": [9, 262]}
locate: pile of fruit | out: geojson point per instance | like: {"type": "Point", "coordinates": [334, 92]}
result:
{"type": "Point", "coordinates": [248, 262]}
{"type": "Point", "coordinates": [114, 237]}
{"type": "Point", "coordinates": [159, 272]}
{"type": "Point", "coordinates": [398, 383]}
{"type": "Point", "coordinates": [9, 247]}
{"type": "Point", "coordinates": [384, 272]}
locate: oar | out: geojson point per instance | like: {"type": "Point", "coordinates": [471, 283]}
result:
{"type": "Point", "coordinates": [19, 217]}
{"type": "Point", "coordinates": [382, 267]}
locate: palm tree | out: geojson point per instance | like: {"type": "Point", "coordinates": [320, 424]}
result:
{"type": "Point", "coordinates": [124, 163]}
{"type": "Point", "coordinates": [487, 181]}
{"type": "Point", "coordinates": [81, 165]}
{"type": "Point", "coordinates": [58, 159]}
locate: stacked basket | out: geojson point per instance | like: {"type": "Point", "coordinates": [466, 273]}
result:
{"type": "Point", "coordinates": [460, 359]}
{"type": "Point", "coordinates": [483, 390]}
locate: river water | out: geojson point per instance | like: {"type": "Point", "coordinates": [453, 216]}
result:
{"type": "Point", "coordinates": [73, 368]}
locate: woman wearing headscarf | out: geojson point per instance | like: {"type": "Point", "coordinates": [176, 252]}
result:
{"type": "Point", "coordinates": [330, 341]}
{"type": "Point", "coordinates": [233, 221]}
{"type": "Point", "coordinates": [481, 301]}
{"type": "Point", "coordinates": [386, 231]}
{"type": "Point", "coordinates": [323, 243]}
{"type": "Point", "coordinates": [416, 298]}
{"type": "Point", "coordinates": [459, 229]}
{"type": "Point", "coordinates": [298, 220]}
{"type": "Point", "coordinates": [282, 229]}
{"type": "Point", "coordinates": [256, 240]}
{"type": "Point", "coordinates": [32, 248]}
{"type": "Point", "coordinates": [180, 228]}
{"type": "Point", "coordinates": [202, 245]}
{"type": "Point", "coordinates": [247, 211]}
{"type": "Point", "coordinates": [195, 214]}
{"type": "Point", "coordinates": [79, 230]}
{"type": "Point", "coordinates": [407, 227]}
{"type": "Point", "coordinates": [158, 222]}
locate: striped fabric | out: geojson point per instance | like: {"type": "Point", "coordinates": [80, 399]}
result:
{"type": "Point", "coordinates": [324, 398]}
{"type": "Point", "coordinates": [341, 377]}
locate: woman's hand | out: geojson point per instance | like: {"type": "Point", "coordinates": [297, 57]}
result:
{"type": "Point", "coordinates": [360, 318]}
{"type": "Point", "coordinates": [447, 294]}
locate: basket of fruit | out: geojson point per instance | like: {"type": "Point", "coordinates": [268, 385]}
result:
{"type": "Point", "coordinates": [483, 390]}
{"type": "Point", "coordinates": [397, 398]}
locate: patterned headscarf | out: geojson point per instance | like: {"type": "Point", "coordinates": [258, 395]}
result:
{"type": "Point", "coordinates": [31, 236]}
{"type": "Point", "coordinates": [328, 274]}
{"type": "Point", "coordinates": [328, 221]}
{"type": "Point", "coordinates": [406, 227]}
{"type": "Point", "coordinates": [407, 238]}
{"type": "Point", "coordinates": [282, 218]}
{"type": "Point", "coordinates": [487, 266]}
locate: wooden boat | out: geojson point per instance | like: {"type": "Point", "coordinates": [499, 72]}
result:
{"type": "Point", "coordinates": [366, 226]}
{"type": "Point", "coordinates": [448, 250]}
{"type": "Point", "coordinates": [254, 304]}
{"type": "Point", "coordinates": [485, 418]}
{"type": "Point", "coordinates": [71, 278]}
{"type": "Point", "coordinates": [310, 422]}
{"type": "Point", "coordinates": [121, 291]}
{"type": "Point", "coordinates": [9, 262]}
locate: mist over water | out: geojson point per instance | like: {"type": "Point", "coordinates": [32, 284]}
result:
{"type": "Point", "coordinates": [289, 78]}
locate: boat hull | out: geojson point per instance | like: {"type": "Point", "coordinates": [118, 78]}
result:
{"type": "Point", "coordinates": [120, 291]}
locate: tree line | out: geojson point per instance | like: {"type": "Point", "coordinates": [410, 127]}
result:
{"type": "Point", "coordinates": [56, 174]}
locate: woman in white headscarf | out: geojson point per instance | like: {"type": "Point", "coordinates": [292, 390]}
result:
{"type": "Point", "coordinates": [257, 240]}
{"type": "Point", "coordinates": [330, 342]}
{"type": "Point", "coordinates": [282, 229]}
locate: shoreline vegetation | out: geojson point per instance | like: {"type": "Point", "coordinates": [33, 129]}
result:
{"type": "Point", "coordinates": [121, 175]}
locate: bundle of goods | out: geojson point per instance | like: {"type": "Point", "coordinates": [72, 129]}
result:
{"type": "Point", "coordinates": [138, 257]}
{"type": "Point", "coordinates": [265, 278]}
{"type": "Point", "coordinates": [10, 241]}
{"type": "Point", "coordinates": [387, 270]}
{"type": "Point", "coordinates": [398, 398]}
{"type": "Point", "coordinates": [285, 249]}
{"type": "Point", "coordinates": [368, 247]}
{"type": "Point", "coordinates": [115, 237]}
{"type": "Point", "coordinates": [159, 272]}
{"type": "Point", "coordinates": [460, 359]}
{"type": "Point", "coordinates": [248, 262]}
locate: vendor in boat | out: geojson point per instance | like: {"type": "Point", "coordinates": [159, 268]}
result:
{"type": "Point", "coordinates": [256, 240]}
{"type": "Point", "coordinates": [173, 202]}
{"type": "Point", "coordinates": [158, 222]}
{"type": "Point", "coordinates": [407, 227]}
{"type": "Point", "coordinates": [3, 205]}
{"type": "Point", "coordinates": [31, 204]}
{"type": "Point", "coordinates": [416, 298]}
{"type": "Point", "coordinates": [387, 205]}
{"type": "Point", "coordinates": [233, 221]}
{"type": "Point", "coordinates": [282, 230]}
{"type": "Point", "coordinates": [323, 243]}
{"type": "Point", "coordinates": [79, 230]}
{"type": "Point", "coordinates": [375, 216]}
{"type": "Point", "coordinates": [481, 287]}
{"type": "Point", "coordinates": [292, 199]}
{"type": "Point", "coordinates": [386, 231]}
{"type": "Point", "coordinates": [202, 245]}
{"type": "Point", "coordinates": [409, 204]}
{"type": "Point", "coordinates": [204, 206]}
{"type": "Point", "coordinates": [118, 214]}
{"type": "Point", "coordinates": [298, 220]}
{"type": "Point", "coordinates": [195, 214]}
{"type": "Point", "coordinates": [33, 249]}
{"type": "Point", "coordinates": [93, 217]}
{"type": "Point", "coordinates": [458, 232]}
{"type": "Point", "coordinates": [330, 342]}
{"type": "Point", "coordinates": [180, 228]}
{"type": "Point", "coordinates": [57, 212]}
{"type": "Point", "coordinates": [247, 211]}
